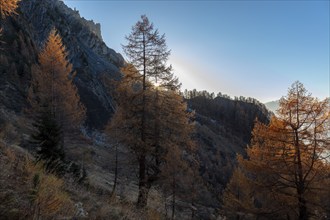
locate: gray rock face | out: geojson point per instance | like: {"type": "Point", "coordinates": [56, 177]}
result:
{"type": "Point", "coordinates": [91, 58]}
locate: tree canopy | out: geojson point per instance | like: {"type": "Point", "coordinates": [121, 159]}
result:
{"type": "Point", "coordinates": [52, 83]}
{"type": "Point", "coordinates": [288, 160]}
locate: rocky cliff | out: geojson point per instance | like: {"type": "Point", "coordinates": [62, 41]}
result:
{"type": "Point", "coordinates": [91, 58]}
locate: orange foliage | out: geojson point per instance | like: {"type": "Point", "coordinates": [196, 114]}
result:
{"type": "Point", "coordinates": [52, 83]}
{"type": "Point", "coordinates": [49, 200]}
{"type": "Point", "coordinates": [166, 131]}
{"type": "Point", "coordinates": [8, 7]}
{"type": "Point", "coordinates": [287, 158]}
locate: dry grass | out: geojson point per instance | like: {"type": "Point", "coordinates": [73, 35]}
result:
{"type": "Point", "coordinates": [27, 191]}
{"type": "Point", "coordinates": [47, 193]}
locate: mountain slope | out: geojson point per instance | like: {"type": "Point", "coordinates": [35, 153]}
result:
{"type": "Point", "coordinates": [224, 129]}
{"type": "Point", "coordinates": [91, 58]}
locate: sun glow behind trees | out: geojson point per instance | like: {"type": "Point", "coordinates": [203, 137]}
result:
{"type": "Point", "coordinates": [245, 47]}
{"type": "Point", "coordinates": [167, 126]}
{"type": "Point", "coordinates": [151, 118]}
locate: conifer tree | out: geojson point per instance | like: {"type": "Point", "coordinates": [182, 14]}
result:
{"type": "Point", "coordinates": [167, 128]}
{"type": "Point", "coordinates": [52, 83]}
{"type": "Point", "coordinates": [287, 160]}
{"type": "Point", "coordinates": [238, 197]}
{"type": "Point", "coordinates": [52, 86]}
{"type": "Point", "coordinates": [147, 52]}
{"type": "Point", "coordinates": [47, 140]}
{"type": "Point", "coordinates": [177, 176]}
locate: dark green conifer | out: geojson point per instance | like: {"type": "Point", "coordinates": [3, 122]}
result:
{"type": "Point", "coordinates": [48, 141]}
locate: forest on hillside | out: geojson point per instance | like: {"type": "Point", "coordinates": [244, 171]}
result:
{"type": "Point", "coordinates": [162, 153]}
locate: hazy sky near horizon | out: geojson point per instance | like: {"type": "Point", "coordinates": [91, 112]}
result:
{"type": "Point", "coordinates": [250, 48]}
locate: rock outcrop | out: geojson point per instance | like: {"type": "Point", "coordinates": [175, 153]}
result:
{"type": "Point", "coordinates": [91, 58]}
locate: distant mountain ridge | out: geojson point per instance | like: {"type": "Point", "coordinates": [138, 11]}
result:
{"type": "Point", "coordinates": [273, 105]}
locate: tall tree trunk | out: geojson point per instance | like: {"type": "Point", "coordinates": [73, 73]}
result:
{"type": "Point", "coordinates": [143, 183]}
{"type": "Point", "coordinates": [303, 214]}
{"type": "Point", "coordinates": [173, 196]}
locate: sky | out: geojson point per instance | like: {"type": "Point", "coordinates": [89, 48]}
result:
{"type": "Point", "coordinates": [250, 48]}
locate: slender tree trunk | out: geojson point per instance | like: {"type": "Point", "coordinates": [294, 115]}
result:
{"type": "Point", "coordinates": [157, 131]}
{"type": "Point", "coordinates": [303, 214]}
{"type": "Point", "coordinates": [143, 183]}
{"type": "Point", "coordinates": [143, 119]}
{"type": "Point", "coordinates": [116, 173]}
{"type": "Point", "coordinates": [173, 196]}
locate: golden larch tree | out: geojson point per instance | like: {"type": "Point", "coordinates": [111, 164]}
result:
{"type": "Point", "coordinates": [288, 159]}
{"type": "Point", "coordinates": [238, 196]}
{"type": "Point", "coordinates": [172, 143]}
{"type": "Point", "coordinates": [52, 84]}
{"type": "Point", "coordinates": [167, 127]}
{"type": "Point", "coordinates": [147, 51]}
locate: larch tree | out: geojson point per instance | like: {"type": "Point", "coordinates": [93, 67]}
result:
{"type": "Point", "coordinates": [147, 52]}
{"type": "Point", "coordinates": [52, 84]}
{"type": "Point", "coordinates": [146, 49]}
{"type": "Point", "coordinates": [55, 103]}
{"type": "Point", "coordinates": [180, 177]}
{"type": "Point", "coordinates": [152, 120]}
{"type": "Point", "coordinates": [238, 196]}
{"type": "Point", "coordinates": [173, 146]}
{"type": "Point", "coordinates": [173, 171]}
{"type": "Point", "coordinates": [288, 159]}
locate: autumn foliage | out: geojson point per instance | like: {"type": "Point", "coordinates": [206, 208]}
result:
{"type": "Point", "coordinates": [52, 84]}
{"type": "Point", "coordinates": [151, 118]}
{"type": "Point", "coordinates": [27, 191]}
{"type": "Point", "coordinates": [167, 128]}
{"type": "Point", "coordinates": [287, 163]}
{"type": "Point", "coordinates": [8, 7]}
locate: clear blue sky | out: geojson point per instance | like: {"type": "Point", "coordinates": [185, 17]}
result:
{"type": "Point", "coordinates": [249, 48]}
